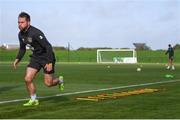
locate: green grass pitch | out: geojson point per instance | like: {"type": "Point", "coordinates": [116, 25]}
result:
{"type": "Point", "coordinates": [83, 77]}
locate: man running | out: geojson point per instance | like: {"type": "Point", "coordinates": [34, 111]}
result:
{"type": "Point", "coordinates": [42, 57]}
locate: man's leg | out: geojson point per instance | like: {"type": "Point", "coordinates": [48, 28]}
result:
{"type": "Point", "coordinates": [50, 81]}
{"type": "Point", "coordinates": [29, 76]}
{"type": "Point", "coordinates": [172, 65]}
{"type": "Point", "coordinates": [169, 63]}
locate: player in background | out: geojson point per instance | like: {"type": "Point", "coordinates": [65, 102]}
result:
{"type": "Point", "coordinates": [170, 53]}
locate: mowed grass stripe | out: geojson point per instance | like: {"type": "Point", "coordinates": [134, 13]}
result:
{"type": "Point", "coordinates": [90, 91]}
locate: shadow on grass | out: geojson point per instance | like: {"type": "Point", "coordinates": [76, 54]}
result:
{"type": "Point", "coordinates": [8, 88]}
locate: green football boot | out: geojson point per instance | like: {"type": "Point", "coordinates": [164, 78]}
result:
{"type": "Point", "coordinates": [61, 84]}
{"type": "Point", "coordinates": [31, 103]}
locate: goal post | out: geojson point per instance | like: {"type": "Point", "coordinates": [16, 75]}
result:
{"type": "Point", "coordinates": [116, 56]}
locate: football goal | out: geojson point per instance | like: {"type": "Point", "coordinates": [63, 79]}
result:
{"type": "Point", "coordinates": [116, 56]}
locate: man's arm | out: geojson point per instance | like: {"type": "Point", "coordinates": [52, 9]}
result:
{"type": "Point", "coordinates": [167, 52]}
{"type": "Point", "coordinates": [40, 37]}
{"type": "Point", "coordinates": [22, 51]}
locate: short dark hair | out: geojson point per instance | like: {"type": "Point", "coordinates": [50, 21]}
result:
{"type": "Point", "coordinates": [25, 15]}
{"type": "Point", "coordinates": [169, 45]}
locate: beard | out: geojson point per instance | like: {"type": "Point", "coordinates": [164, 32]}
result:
{"type": "Point", "coordinates": [23, 29]}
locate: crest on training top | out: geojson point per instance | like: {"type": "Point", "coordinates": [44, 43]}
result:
{"type": "Point", "coordinates": [29, 39]}
{"type": "Point", "coordinates": [41, 37]}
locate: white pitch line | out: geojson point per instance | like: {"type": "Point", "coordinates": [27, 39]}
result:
{"type": "Point", "coordinates": [89, 91]}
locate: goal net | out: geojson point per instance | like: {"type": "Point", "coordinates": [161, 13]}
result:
{"type": "Point", "coordinates": [116, 56]}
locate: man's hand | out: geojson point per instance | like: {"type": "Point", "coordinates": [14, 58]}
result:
{"type": "Point", "coordinates": [48, 67]}
{"type": "Point", "coordinates": [15, 63]}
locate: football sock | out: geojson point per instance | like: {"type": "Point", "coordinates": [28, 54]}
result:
{"type": "Point", "coordinates": [33, 97]}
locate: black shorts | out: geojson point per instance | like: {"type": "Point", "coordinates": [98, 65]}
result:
{"type": "Point", "coordinates": [38, 64]}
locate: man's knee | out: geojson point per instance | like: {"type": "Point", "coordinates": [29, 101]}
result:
{"type": "Point", "coordinates": [28, 79]}
{"type": "Point", "coordinates": [30, 74]}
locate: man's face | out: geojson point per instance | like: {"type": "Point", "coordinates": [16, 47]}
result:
{"type": "Point", "coordinates": [23, 24]}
